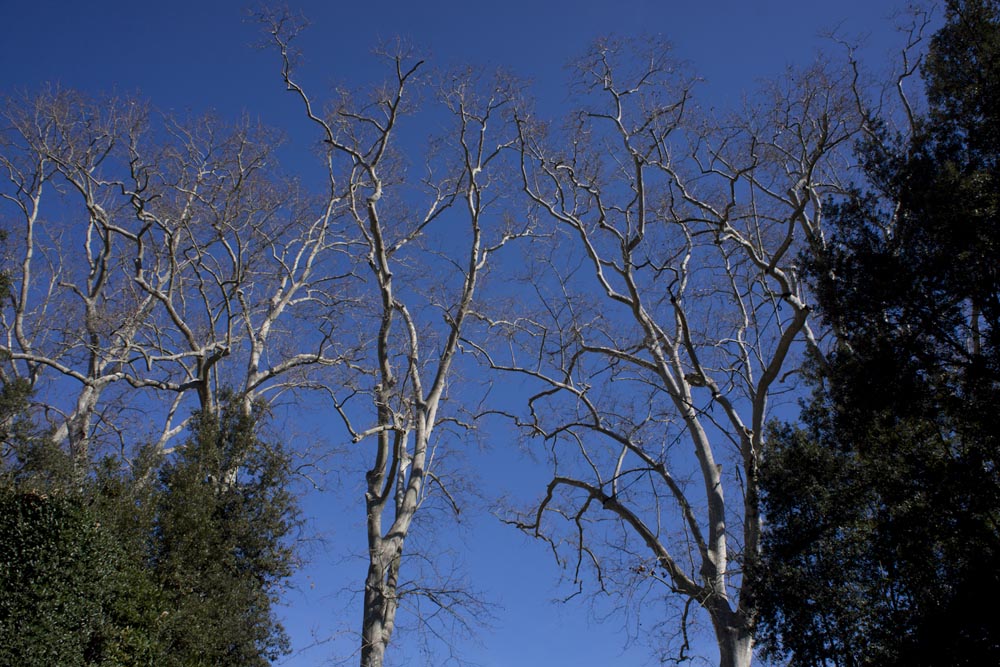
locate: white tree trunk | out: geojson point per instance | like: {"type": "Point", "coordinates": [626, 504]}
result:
{"type": "Point", "coordinates": [735, 647]}
{"type": "Point", "coordinates": [732, 634]}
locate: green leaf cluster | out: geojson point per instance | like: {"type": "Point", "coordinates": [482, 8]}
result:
{"type": "Point", "coordinates": [173, 561]}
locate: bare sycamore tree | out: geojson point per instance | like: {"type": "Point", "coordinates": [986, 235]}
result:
{"type": "Point", "coordinates": [245, 270]}
{"type": "Point", "coordinates": [72, 313]}
{"type": "Point", "coordinates": [669, 313]}
{"type": "Point", "coordinates": [151, 262]}
{"type": "Point", "coordinates": [426, 246]}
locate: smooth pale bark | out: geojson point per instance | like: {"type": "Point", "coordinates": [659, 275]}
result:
{"type": "Point", "coordinates": [682, 289]}
{"type": "Point", "coordinates": [732, 634]}
{"type": "Point", "coordinates": [380, 605]}
{"type": "Point", "coordinates": [403, 368]}
{"type": "Point", "coordinates": [735, 647]}
{"type": "Point", "coordinates": [180, 257]}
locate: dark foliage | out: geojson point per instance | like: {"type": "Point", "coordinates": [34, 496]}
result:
{"type": "Point", "coordinates": [61, 575]}
{"type": "Point", "coordinates": [222, 544]}
{"type": "Point", "coordinates": [883, 509]}
{"type": "Point", "coordinates": [175, 562]}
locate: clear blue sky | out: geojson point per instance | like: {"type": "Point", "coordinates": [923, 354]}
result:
{"type": "Point", "coordinates": [196, 56]}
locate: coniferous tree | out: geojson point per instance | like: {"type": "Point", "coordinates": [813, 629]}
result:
{"type": "Point", "coordinates": [883, 508]}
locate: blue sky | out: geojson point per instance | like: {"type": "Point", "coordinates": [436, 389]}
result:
{"type": "Point", "coordinates": [193, 57]}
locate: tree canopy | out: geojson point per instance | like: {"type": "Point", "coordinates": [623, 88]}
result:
{"type": "Point", "coordinates": [883, 506]}
{"type": "Point", "coordinates": [169, 563]}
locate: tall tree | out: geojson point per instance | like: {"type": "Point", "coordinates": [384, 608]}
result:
{"type": "Point", "coordinates": [883, 509]}
{"type": "Point", "coordinates": [148, 262]}
{"type": "Point", "coordinates": [667, 313]}
{"type": "Point", "coordinates": [423, 246]}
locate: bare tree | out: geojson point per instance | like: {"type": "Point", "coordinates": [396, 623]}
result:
{"type": "Point", "coordinates": [73, 312]}
{"type": "Point", "coordinates": [669, 314]}
{"type": "Point", "coordinates": [151, 262]}
{"type": "Point", "coordinates": [426, 245]}
{"type": "Point", "coordinates": [244, 269]}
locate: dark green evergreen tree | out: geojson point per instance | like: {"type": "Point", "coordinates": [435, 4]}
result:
{"type": "Point", "coordinates": [59, 574]}
{"type": "Point", "coordinates": [75, 589]}
{"type": "Point", "coordinates": [173, 562]}
{"type": "Point", "coordinates": [224, 523]}
{"type": "Point", "coordinates": [884, 507]}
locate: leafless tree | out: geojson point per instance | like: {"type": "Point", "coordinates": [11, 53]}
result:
{"type": "Point", "coordinates": [426, 245]}
{"type": "Point", "coordinates": [73, 313]}
{"type": "Point", "coordinates": [151, 261]}
{"type": "Point", "coordinates": [245, 270]}
{"type": "Point", "coordinates": [669, 313]}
